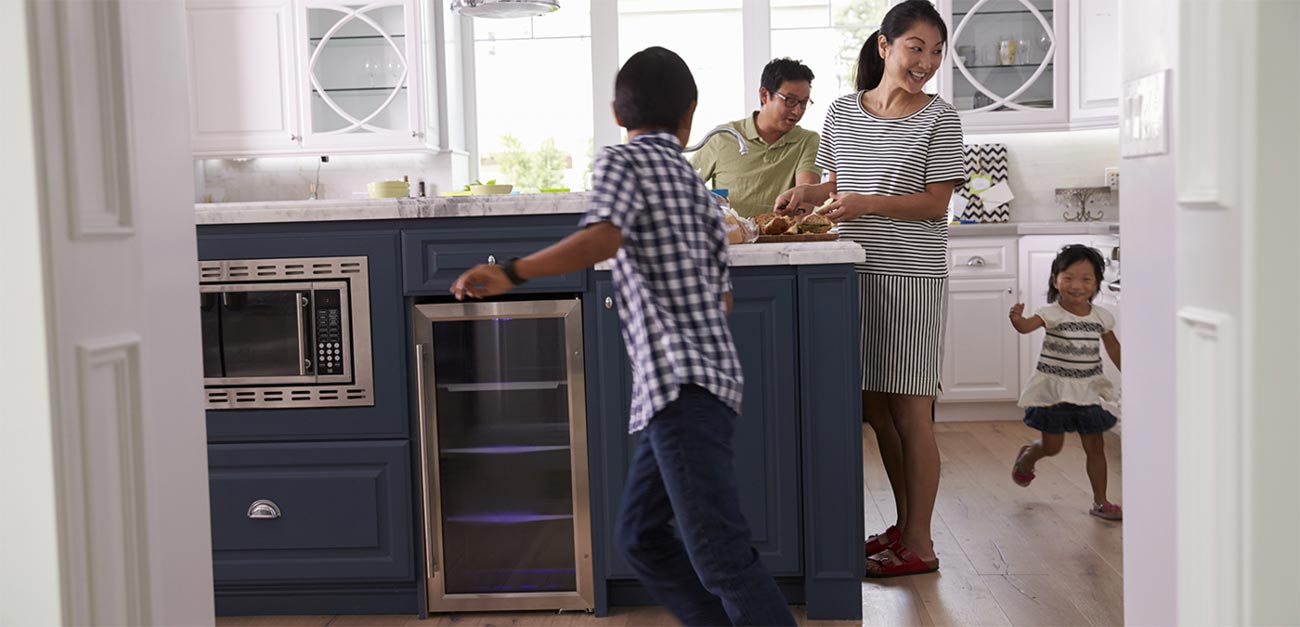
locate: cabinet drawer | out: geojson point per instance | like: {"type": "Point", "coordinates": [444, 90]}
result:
{"type": "Point", "coordinates": [434, 259]}
{"type": "Point", "coordinates": [981, 258]}
{"type": "Point", "coordinates": [344, 512]}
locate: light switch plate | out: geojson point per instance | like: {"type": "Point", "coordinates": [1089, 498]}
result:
{"type": "Point", "coordinates": [1144, 121]}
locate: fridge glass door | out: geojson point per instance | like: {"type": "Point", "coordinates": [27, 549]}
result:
{"type": "Point", "coordinates": [501, 395]}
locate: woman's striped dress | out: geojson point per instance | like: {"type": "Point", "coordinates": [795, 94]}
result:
{"type": "Point", "coordinates": [904, 278]}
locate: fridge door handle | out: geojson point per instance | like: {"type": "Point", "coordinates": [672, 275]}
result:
{"type": "Point", "coordinates": [424, 459]}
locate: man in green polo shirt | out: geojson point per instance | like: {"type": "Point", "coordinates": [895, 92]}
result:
{"type": "Point", "coordinates": [781, 154]}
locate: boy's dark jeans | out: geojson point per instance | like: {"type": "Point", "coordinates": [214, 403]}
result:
{"type": "Point", "coordinates": [683, 472]}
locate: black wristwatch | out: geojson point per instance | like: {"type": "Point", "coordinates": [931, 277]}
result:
{"type": "Point", "coordinates": [509, 268]}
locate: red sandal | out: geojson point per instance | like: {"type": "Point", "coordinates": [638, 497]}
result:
{"type": "Point", "coordinates": [881, 542]}
{"type": "Point", "coordinates": [1106, 511]}
{"type": "Point", "coordinates": [1019, 475]}
{"type": "Point", "coordinates": [883, 567]}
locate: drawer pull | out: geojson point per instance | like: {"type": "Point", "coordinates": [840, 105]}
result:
{"type": "Point", "coordinates": [609, 302]}
{"type": "Point", "coordinates": [263, 509]}
{"type": "Point", "coordinates": [975, 262]}
{"type": "Point", "coordinates": [492, 259]}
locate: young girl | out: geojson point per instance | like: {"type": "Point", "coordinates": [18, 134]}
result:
{"type": "Point", "coordinates": [1064, 394]}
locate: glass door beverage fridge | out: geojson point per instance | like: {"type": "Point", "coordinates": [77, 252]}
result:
{"type": "Point", "coordinates": [504, 455]}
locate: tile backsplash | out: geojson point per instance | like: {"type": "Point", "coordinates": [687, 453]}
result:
{"type": "Point", "coordinates": [1039, 163]}
{"type": "Point", "coordinates": [290, 178]}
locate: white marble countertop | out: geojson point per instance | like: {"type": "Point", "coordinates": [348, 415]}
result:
{"type": "Point", "coordinates": [389, 208]}
{"type": "Point", "coordinates": [520, 204]}
{"type": "Point", "coordinates": [788, 254]}
{"type": "Point", "coordinates": [1012, 229]}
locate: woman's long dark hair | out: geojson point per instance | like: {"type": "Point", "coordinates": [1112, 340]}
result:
{"type": "Point", "coordinates": [871, 68]}
{"type": "Point", "coordinates": [1070, 255]}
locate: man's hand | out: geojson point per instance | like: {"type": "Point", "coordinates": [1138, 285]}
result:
{"type": "Point", "coordinates": [790, 201]}
{"type": "Point", "coordinates": [481, 281]}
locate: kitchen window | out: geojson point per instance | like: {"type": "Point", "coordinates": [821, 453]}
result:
{"type": "Point", "coordinates": [543, 86]}
{"type": "Point", "coordinates": [533, 99]}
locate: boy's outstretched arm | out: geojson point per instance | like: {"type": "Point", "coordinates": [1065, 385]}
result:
{"type": "Point", "coordinates": [582, 249]}
{"type": "Point", "coordinates": [1021, 323]}
{"type": "Point", "coordinates": [1112, 347]}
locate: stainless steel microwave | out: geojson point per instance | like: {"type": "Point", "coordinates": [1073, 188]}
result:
{"type": "Point", "coordinates": [284, 333]}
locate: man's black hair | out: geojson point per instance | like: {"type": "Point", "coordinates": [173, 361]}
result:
{"type": "Point", "coordinates": [654, 89]}
{"type": "Point", "coordinates": [778, 71]}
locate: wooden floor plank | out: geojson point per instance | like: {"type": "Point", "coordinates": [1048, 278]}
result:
{"type": "Point", "coordinates": [1010, 555]}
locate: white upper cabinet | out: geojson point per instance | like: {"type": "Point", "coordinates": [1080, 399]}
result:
{"type": "Point", "coordinates": [242, 86]}
{"type": "Point", "coordinates": [359, 68]}
{"type": "Point", "coordinates": [1026, 65]}
{"type": "Point", "coordinates": [285, 77]}
{"type": "Point", "coordinates": [1094, 63]}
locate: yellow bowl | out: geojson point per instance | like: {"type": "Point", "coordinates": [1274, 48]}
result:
{"type": "Point", "coordinates": [480, 190]}
{"type": "Point", "coordinates": [389, 189]}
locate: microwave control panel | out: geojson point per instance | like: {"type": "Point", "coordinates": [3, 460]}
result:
{"type": "Point", "coordinates": [329, 332]}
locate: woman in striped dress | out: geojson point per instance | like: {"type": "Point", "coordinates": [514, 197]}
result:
{"type": "Point", "coordinates": [894, 156]}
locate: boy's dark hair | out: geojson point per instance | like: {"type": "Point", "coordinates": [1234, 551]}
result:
{"type": "Point", "coordinates": [654, 89]}
{"type": "Point", "coordinates": [1070, 255]}
{"type": "Point", "coordinates": [778, 71]}
{"type": "Point", "coordinates": [871, 68]}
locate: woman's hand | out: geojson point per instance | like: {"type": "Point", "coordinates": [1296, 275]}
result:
{"type": "Point", "coordinates": [482, 281]}
{"type": "Point", "coordinates": [846, 206]}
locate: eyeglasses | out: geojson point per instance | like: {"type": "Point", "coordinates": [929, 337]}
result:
{"type": "Point", "coordinates": [792, 102]}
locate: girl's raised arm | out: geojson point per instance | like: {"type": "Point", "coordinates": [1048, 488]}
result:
{"type": "Point", "coordinates": [1023, 324]}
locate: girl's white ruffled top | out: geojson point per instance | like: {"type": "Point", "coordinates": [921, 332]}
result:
{"type": "Point", "coordinates": [1069, 367]}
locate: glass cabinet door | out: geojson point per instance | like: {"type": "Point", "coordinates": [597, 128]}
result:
{"type": "Point", "coordinates": [1005, 55]}
{"type": "Point", "coordinates": [359, 71]}
{"type": "Point", "coordinates": [502, 393]}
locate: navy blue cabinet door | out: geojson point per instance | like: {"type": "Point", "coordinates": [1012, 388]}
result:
{"type": "Point", "coordinates": [341, 512]}
{"type": "Point", "coordinates": [766, 443]}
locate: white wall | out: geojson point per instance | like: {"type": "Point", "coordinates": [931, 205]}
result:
{"type": "Point", "coordinates": [1149, 42]}
{"type": "Point", "coordinates": [1038, 163]}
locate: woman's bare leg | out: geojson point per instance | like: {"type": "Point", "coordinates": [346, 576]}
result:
{"type": "Point", "coordinates": [875, 410]}
{"type": "Point", "coordinates": [921, 467]}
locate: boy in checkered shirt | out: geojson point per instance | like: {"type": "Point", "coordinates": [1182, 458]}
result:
{"type": "Point", "coordinates": [653, 214]}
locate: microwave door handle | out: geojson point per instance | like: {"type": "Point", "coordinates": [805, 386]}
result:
{"type": "Point", "coordinates": [303, 363]}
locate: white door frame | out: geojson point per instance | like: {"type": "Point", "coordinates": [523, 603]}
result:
{"type": "Point", "coordinates": [106, 465]}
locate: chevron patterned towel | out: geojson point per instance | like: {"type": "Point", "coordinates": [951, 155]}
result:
{"type": "Point", "coordinates": [989, 159]}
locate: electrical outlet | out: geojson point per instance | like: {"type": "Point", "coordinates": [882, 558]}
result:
{"type": "Point", "coordinates": [1112, 179]}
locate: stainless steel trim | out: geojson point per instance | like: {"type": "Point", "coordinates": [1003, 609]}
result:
{"type": "Point", "coordinates": [424, 458]}
{"type": "Point", "coordinates": [302, 359]}
{"type": "Point", "coordinates": [263, 509]}
{"type": "Point", "coordinates": [583, 598]}
{"type": "Point", "coordinates": [355, 387]}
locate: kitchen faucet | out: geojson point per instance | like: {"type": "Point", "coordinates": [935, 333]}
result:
{"type": "Point", "coordinates": [744, 147]}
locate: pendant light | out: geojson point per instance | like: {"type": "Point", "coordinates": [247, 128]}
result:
{"type": "Point", "coordinates": [504, 8]}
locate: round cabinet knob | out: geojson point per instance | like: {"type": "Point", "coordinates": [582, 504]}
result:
{"type": "Point", "coordinates": [609, 302]}
{"type": "Point", "coordinates": [294, 138]}
{"type": "Point", "coordinates": [492, 259]}
{"type": "Point", "coordinates": [975, 262]}
{"type": "Point", "coordinates": [264, 509]}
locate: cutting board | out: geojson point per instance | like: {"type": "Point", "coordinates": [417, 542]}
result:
{"type": "Point", "coordinates": [807, 237]}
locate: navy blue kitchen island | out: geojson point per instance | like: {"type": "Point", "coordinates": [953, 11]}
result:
{"type": "Point", "coordinates": [349, 535]}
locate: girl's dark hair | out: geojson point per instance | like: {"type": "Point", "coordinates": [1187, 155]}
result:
{"type": "Point", "coordinates": [1070, 255]}
{"type": "Point", "coordinates": [654, 89]}
{"type": "Point", "coordinates": [871, 68]}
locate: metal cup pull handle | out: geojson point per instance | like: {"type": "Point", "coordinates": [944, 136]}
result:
{"type": "Point", "coordinates": [492, 259]}
{"type": "Point", "coordinates": [609, 303]}
{"type": "Point", "coordinates": [263, 509]}
{"type": "Point", "coordinates": [976, 261]}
